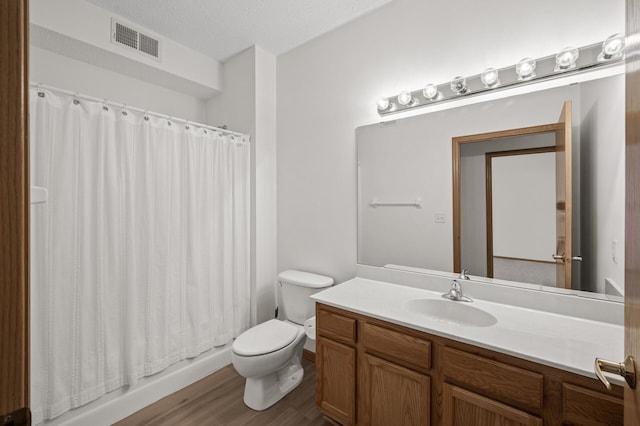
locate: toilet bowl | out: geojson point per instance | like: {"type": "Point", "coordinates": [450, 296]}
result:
{"type": "Point", "coordinates": [269, 355]}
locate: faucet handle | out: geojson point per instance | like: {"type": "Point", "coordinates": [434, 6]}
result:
{"type": "Point", "coordinates": [463, 275]}
{"type": "Point", "coordinates": [455, 293]}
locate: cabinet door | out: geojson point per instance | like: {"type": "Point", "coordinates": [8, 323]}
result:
{"type": "Point", "coordinates": [395, 395]}
{"type": "Point", "coordinates": [581, 406]}
{"type": "Point", "coordinates": [336, 380]}
{"type": "Point", "coordinates": [463, 408]}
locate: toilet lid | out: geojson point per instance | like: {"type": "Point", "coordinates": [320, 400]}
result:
{"type": "Point", "coordinates": [265, 338]}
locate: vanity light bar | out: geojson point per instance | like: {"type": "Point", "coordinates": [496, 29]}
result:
{"type": "Point", "coordinates": [568, 61]}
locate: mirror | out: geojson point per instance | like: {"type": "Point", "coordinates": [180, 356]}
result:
{"type": "Point", "coordinates": [406, 191]}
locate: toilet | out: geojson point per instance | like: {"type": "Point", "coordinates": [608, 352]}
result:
{"type": "Point", "coordinates": [269, 354]}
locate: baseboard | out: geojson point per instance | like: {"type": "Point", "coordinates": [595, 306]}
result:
{"type": "Point", "coordinates": [309, 356]}
{"type": "Point", "coordinates": [122, 403]}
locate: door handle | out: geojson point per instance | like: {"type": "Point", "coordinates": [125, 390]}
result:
{"type": "Point", "coordinates": [564, 259]}
{"type": "Point", "coordinates": [626, 369]}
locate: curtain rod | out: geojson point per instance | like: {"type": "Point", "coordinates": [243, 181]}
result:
{"type": "Point", "coordinates": [105, 101]}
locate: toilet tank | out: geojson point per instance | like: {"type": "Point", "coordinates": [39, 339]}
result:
{"type": "Point", "coordinates": [295, 289]}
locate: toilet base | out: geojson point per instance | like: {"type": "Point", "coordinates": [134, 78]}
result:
{"type": "Point", "coordinates": [262, 392]}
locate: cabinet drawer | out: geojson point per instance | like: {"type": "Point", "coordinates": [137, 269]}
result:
{"type": "Point", "coordinates": [495, 379]}
{"type": "Point", "coordinates": [335, 326]}
{"type": "Point", "coordinates": [583, 406]}
{"type": "Point", "coordinates": [410, 351]}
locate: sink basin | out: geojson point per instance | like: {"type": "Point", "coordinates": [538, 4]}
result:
{"type": "Point", "coordinates": [458, 313]}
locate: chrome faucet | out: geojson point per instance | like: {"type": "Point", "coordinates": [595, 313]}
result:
{"type": "Point", "coordinates": [456, 294]}
{"type": "Point", "coordinates": [463, 275]}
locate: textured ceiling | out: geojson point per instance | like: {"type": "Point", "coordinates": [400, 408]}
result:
{"type": "Point", "coordinates": [222, 28]}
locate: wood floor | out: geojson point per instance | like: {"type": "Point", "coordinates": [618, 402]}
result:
{"type": "Point", "coordinates": [217, 400]}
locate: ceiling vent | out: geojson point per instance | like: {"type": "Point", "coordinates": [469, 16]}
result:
{"type": "Point", "coordinates": [125, 35]}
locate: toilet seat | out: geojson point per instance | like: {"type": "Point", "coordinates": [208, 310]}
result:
{"type": "Point", "coordinates": [265, 338]}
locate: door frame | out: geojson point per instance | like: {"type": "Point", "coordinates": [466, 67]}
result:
{"type": "Point", "coordinates": [457, 143]}
{"type": "Point", "coordinates": [14, 213]}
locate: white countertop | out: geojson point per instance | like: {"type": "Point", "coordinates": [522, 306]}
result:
{"type": "Point", "coordinates": [560, 341]}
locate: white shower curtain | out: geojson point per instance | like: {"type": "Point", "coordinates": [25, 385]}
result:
{"type": "Point", "coordinates": [140, 258]}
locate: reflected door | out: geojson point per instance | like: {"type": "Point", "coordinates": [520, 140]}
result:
{"type": "Point", "coordinates": [464, 228]}
{"type": "Point", "coordinates": [563, 255]}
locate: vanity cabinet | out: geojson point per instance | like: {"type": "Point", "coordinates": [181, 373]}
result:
{"type": "Point", "coordinates": [372, 372]}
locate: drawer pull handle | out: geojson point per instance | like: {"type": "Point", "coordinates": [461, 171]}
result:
{"type": "Point", "coordinates": [626, 369]}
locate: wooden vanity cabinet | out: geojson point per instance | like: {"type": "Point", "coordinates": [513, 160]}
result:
{"type": "Point", "coordinates": [372, 372]}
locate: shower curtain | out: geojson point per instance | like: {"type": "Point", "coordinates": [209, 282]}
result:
{"type": "Point", "coordinates": [140, 257]}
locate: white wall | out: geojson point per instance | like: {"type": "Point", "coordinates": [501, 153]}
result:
{"type": "Point", "coordinates": [247, 104]}
{"type": "Point", "coordinates": [603, 181]}
{"type": "Point", "coordinates": [81, 30]}
{"type": "Point", "coordinates": [65, 73]}
{"type": "Point", "coordinates": [524, 206]}
{"type": "Point", "coordinates": [235, 106]}
{"type": "Point", "coordinates": [396, 164]}
{"type": "Point", "coordinates": [473, 226]}
{"type": "Point", "coordinates": [328, 87]}
{"type": "Point", "coordinates": [265, 183]}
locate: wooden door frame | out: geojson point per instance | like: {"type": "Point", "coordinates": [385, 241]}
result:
{"type": "Point", "coordinates": [489, 156]}
{"type": "Point", "coordinates": [14, 210]}
{"type": "Point", "coordinates": [632, 207]}
{"type": "Point", "coordinates": [455, 155]}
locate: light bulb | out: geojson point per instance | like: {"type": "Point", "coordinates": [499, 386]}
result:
{"type": "Point", "coordinates": [459, 85]}
{"type": "Point", "coordinates": [383, 104]}
{"type": "Point", "coordinates": [566, 59]}
{"type": "Point", "coordinates": [489, 77]}
{"type": "Point", "coordinates": [430, 92]}
{"type": "Point", "coordinates": [405, 98]}
{"type": "Point", "coordinates": [612, 48]}
{"type": "Point", "coordinates": [526, 69]}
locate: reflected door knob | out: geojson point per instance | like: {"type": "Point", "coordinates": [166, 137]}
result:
{"type": "Point", "coordinates": [626, 369]}
{"type": "Point", "coordinates": [564, 259]}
